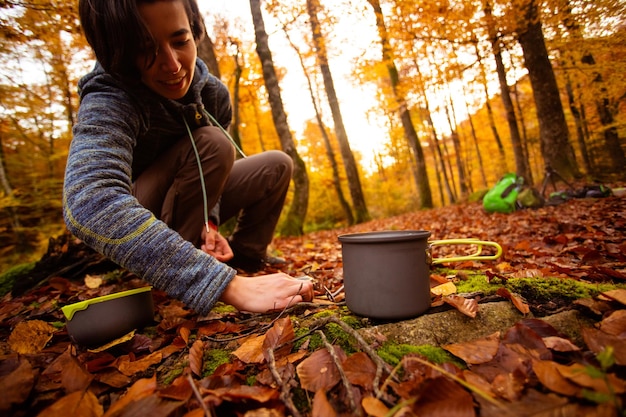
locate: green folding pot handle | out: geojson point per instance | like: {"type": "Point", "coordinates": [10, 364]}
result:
{"type": "Point", "coordinates": [477, 256]}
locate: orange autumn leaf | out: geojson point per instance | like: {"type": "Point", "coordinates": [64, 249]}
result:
{"type": "Point", "coordinates": [318, 371]}
{"type": "Point", "coordinates": [140, 389]}
{"type": "Point", "coordinates": [16, 384]}
{"type": "Point", "coordinates": [477, 351]}
{"type": "Point", "coordinates": [321, 406]}
{"type": "Point", "coordinates": [76, 404]}
{"type": "Point", "coordinates": [251, 350]}
{"type": "Point", "coordinates": [374, 407]}
{"type": "Point", "coordinates": [467, 306]}
{"type": "Point", "coordinates": [30, 337]}
{"type": "Point", "coordinates": [128, 368]}
{"type": "Point", "coordinates": [196, 357]}
{"type": "Point", "coordinates": [516, 300]}
{"type": "Point", "coordinates": [279, 338]}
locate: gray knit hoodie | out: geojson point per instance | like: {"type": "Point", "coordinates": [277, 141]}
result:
{"type": "Point", "coordinates": [121, 129]}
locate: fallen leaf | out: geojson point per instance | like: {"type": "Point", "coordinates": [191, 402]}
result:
{"type": "Point", "coordinates": [444, 289]}
{"type": "Point", "coordinates": [374, 407]}
{"type": "Point", "coordinates": [318, 371]}
{"type": "Point", "coordinates": [360, 370]}
{"type": "Point", "coordinates": [279, 338]}
{"type": "Point", "coordinates": [615, 324]}
{"type": "Point", "coordinates": [140, 389]}
{"type": "Point", "coordinates": [16, 385]}
{"type": "Point", "coordinates": [559, 344]}
{"type": "Point", "coordinates": [93, 281]}
{"type": "Point", "coordinates": [551, 378]}
{"type": "Point", "coordinates": [76, 404]}
{"type": "Point", "coordinates": [321, 406]}
{"type": "Point", "coordinates": [30, 337]}
{"type": "Point", "coordinates": [467, 306]}
{"type": "Point", "coordinates": [478, 351]}
{"type": "Point", "coordinates": [130, 368]}
{"type": "Point", "coordinates": [442, 397]}
{"type": "Point", "coordinates": [597, 341]}
{"type": "Point", "coordinates": [196, 357]}
{"type": "Point", "coordinates": [179, 390]}
{"type": "Point", "coordinates": [120, 340]}
{"type": "Point", "coordinates": [515, 299]}
{"type": "Point", "coordinates": [251, 350]}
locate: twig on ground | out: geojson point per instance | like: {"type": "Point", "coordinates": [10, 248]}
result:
{"type": "Point", "coordinates": [346, 383]}
{"type": "Point", "coordinates": [285, 392]}
{"type": "Point", "coordinates": [198, 396]}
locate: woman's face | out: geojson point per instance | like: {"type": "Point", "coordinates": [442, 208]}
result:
{"type": "Point", "coordinates": [172, 71]}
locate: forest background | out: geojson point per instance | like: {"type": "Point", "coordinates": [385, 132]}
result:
{"type": "Point", "coordinates": [458, 94]}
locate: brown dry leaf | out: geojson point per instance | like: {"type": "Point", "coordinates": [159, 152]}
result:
{"type": "Point", "coordinates": [17, 384]}
{"type": "Point", "coordinates": [618, 295]}
{"type": "Point", "coordinates": [321, 406]}
{"type": "Point", "coordinates": [179, 390]}
{"type": "Point", "coordinates": [140, 389]}
{"type": "Point", "coordinates": [113, 378]}
{"type": "Point", "coordinates": [30, 337]}
{"type": "Point", "coordinates": [515, 299]}
{"type": "Point", "coordinates": [76, 404]}
{"type": "Point", "coordinates": [597, 340]}
{"type": "Point", "coordinates": [74, 377]}
{"type": "Point", "coordinates": [318, 371]}
{"type": "Point", "coordinates": [184, 333]}
{"type": "Point", "coordinates": [509, 385]}
{"type": "Point", "coordinates": [577, 374]}
{"type": "Point", "coordinates": [615, 324]}
{"type": "Point", "coordinates": [443, 397]}
{"type": "Point", "coordinates": [467, 306]}
{"type": "Point", "coordinates": [477, 351]}
{"type": "Point", "coordinates": [129, 368]}
{"type": "Point", "coordinates": [559, 344]}
{"type": "Point", "coordinates": [196, 357]}
{"type": "Point", "coordinates": [279, 338]}
{"type": "Point", "coordinates": [548, 374]}
{"type": "Point", "coordinates": [251, 350]}
{"type": "Point", "coordinates": [360, 370]}
{"type": "Point", "coordinates": [374, 407]}
{"type": "Point", "coordinates": [243, 392]}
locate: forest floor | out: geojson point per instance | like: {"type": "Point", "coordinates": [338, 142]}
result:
{"type": "Point", "coordinates": [313, 360]}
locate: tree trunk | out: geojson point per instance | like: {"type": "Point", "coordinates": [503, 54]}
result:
{"type": "Point", "coordinates": [556, 149]}
{"type": "Point", "coordinates": [352, 173]}
{"type": "Point", "coordinates": [521, 164]}
{"type": "Point", "coordinates": [423, 186]}
{"type": "Point", "coordinates": [294, 223]}
{"type": "Point", "coordinates": [206, 52]}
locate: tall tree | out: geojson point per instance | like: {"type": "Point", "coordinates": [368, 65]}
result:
{"type": "Point", "coordinates": [556, 149]}
{"type": "Point", "coordinates": [352, 173]}
{"type": "Point", "coordinates": [294, 225]}
{"type": "Point", "coordinates": [423, 186]}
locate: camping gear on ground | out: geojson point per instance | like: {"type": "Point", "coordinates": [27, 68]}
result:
{"type": "Point", "coordinates": [503, 196]}
{"type": "Point", "coordinates": [386, 274]}
{"type": "Point", "coordinates": [101, 320]}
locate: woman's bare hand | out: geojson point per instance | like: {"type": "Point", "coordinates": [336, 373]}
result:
{"type": "Point", "coordinates": [265, 293]}
{"type": "Point", "coordinates": [216, 245]}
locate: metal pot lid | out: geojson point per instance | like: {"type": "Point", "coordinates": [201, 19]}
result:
{"type": "Point", "coordinates": [384, 236]}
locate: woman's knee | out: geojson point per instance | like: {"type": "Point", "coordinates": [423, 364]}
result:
{"type": "Point", "coordinates": [281, 160]}
{"type": "Point", "coordinates": [211, 142]}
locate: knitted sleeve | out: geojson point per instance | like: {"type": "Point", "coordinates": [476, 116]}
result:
{"type": "Point", "coordinates": [99, 208]}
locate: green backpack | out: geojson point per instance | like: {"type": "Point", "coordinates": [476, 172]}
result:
{"type": "Point", "coordinates": [502, 197]}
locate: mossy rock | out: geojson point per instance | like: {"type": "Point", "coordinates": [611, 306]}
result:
{"type": "Point", "coordinates": [12, 275]}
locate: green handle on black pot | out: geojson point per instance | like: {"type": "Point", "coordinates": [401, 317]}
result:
{"type": "Point", "coordinates": [472, 257]}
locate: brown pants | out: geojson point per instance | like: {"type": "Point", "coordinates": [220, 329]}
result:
{"type": "Point", "coordinates": [252, 188]}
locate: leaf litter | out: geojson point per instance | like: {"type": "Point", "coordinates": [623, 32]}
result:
{"type": "Point", "coordinates": [275, 370]}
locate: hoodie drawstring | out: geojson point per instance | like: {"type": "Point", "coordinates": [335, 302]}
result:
{"type": "Point", "coordinates": [195, 150]}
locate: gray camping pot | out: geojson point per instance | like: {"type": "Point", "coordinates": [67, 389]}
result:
{"type": "Point", "coordinates": [386, 274]}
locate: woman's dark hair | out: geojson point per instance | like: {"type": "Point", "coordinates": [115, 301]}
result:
{"type": "Point", "coordinates": [118, 35]}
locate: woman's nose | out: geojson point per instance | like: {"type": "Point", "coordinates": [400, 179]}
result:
{"type": "Point", "coordinates": [168, 60]}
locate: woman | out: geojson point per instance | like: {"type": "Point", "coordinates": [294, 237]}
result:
{"type": "Point", "coordinates": [151, 118]}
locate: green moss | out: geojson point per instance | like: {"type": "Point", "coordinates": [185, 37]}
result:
{"type": "Point", "coordinates": [212, 359]}
{"type": "Point", "coordinates": [171, 375]}
{"type": "Point", "coordinates": [393, 353]}
{"type": "Point", "coordinates": [9, 277]}
{"type": "Point", "coordinates": [221, 308]}
{"type": "Point", "coordinates": [546, 289]}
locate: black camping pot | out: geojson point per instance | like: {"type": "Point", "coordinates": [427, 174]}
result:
{"type": "Point", "coordinates": [386, 274]}
{"type": "Point", "coordinates": [101, 320]}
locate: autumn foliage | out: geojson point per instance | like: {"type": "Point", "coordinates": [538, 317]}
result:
{"type": "Point", "coordinates": [296, 362]}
